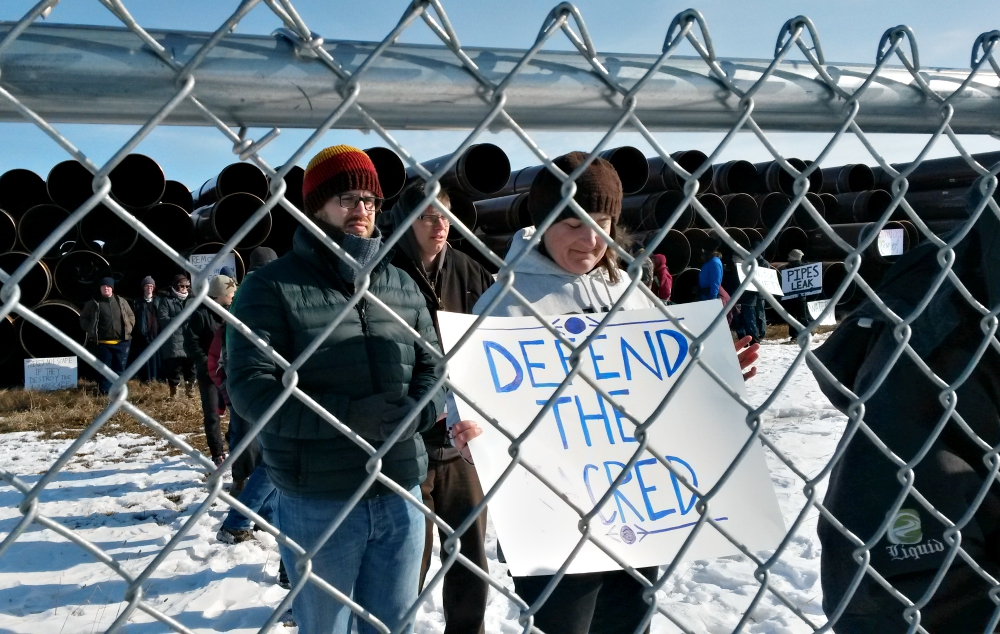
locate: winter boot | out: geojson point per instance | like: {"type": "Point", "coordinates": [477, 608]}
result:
{"type": "Point", "coordinates": [189, 389]}
{"type": "Point", "coordinates": [283, 576]}
{"type": "Point", "coordinates": [173, 391]}
{"type": "Point", "coordinates": [229, 536]}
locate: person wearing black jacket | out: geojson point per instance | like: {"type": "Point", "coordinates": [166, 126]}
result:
{"type": "Point", "coordinates": [147, 327]}
{"type": "Point", "coordinates": [107, 322]}
{"type": "Point", "coordinates": [452, 281]}
{"type": "Point", "coordinates": [909, 412]}
{"type": "Point", "coordinates": [177, 367]}
{"type": "Point", "coordinates": [198, 335]}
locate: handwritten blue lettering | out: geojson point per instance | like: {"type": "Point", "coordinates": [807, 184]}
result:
{"type": "Point", "coordinates": [588, 417]}
{"type": "Point", "coordinates": [654, 369]}
{"type": "Point", "coordinates": [489, 346]}
{"type": "Point", "coordinates": [618, 495]}
{"type": "Point", "coordinates": [529, 365]}
{"type": "Point", "coordinates": [590, 492]}
{"type": "Point", "coordinates": [646, 490]}
{"type": "Point", "coordinates": [682, 348]}
{"type": "Point", "coordinates": [619, 416]}
{"type": "Point", "coordinates": [594, 357]}
{"type": "Point", "coordinates": [562, 400]}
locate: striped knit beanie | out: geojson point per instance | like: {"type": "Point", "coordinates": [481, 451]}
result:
{"type": "Point", "coordinates": [336, 170]}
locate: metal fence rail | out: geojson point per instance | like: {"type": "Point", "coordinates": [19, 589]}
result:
{"type": "Point", "coordinates": [180, 90]}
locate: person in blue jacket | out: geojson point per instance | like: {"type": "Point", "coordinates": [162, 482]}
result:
{"type": "Point", "coordinates": [710, 278]}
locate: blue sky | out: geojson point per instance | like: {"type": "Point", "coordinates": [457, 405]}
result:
{"type": "Point", "coordinates": [849, 31]}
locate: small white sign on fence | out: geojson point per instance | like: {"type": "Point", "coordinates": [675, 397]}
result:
{"type": "Point", "coordinates": [201, 260]}
{"type": "Point", "coordinates": [802, 280]}
{"type": "Point", "coordinates": [50, 373]}
{"type": "Point", "coordinates": [763, 278]}
{"type": "Point", "coordinates": [890, 241]}
{"type": "Point", "coordinates": [816, 309]}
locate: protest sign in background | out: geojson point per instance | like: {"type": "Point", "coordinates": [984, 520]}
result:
{"type": "Point", "coordinates": [50, 373]}
{"type": "Point", "coordinates": [802, 280]}
{"type": "Point", "coordinates": [511, 366]}
{"type": "Point", "coordinates": [201, 260]}
{"type": "Point", "coordinates": [763, 278]}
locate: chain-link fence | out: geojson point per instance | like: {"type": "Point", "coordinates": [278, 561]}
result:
{"type": "Point", "coordinates": [719, 94]}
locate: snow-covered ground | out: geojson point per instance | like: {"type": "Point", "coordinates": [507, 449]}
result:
{"type": "Point", "coordinates": [128, 500]}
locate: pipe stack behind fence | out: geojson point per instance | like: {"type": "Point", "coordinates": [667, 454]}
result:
{"type": "Point", "coordinates": [745, 200]}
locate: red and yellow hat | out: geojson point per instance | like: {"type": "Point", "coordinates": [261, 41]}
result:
{"type": "Point", "coordinates": [335, 170]}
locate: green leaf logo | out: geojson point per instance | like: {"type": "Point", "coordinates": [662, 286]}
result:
{"type": "Point", "coordinates": [905, 528]}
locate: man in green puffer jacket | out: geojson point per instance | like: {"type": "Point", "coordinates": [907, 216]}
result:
{"type": "Point", "coordinates": [369, 373]}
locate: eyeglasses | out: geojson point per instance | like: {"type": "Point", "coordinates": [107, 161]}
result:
{"type": "Point", "coordinates": [371, 203]}
{"type": "Point", "coordinates": [433, 219]}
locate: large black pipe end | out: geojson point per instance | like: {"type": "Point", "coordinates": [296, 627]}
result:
{"type": "Point", "coordinates": [685, 288]}
{"type": "Point", "coordinates": [172, 224]}
{"type": "Point", "coordinates": [69, 184]}
{"type": "Point", "coordinates": [804, 219]}
{"type": "Point", "coordinates": [175, 193]}
{"type": "Point", "coordinates": [856, 177]}
{"type": "Point", "coordinates": [391, 171]}
{"type": "Point", "coordinates": [741, 210]}
{"type": "Point", "coordinates": [875, 203]}
{"type": "Point", "coordinates": [735, 177]}
{"type": "Point", "coordinates": [665, 211]}
{"type": "Point", "coordinates": [674, 247]}
{"type": "Point", "coordinates": [105, 227]}
{"type": "Point", "coordinates": [78, 273]}
{"type": "Point", "coordinates": [38, 223]}
{"type": "Point", "coordinates": [834, 274]}
{"type": "Point", "coordinates": [486, 169]}
{"type": "Point", "coordinates": [715, 207]}
{"type": "Point", "coordinates": [20, 190]}
{"type": "Point", "coordinates": [293, 186]}
{"type": "Point", "coordinates": [631, 165]}
{"type": "Point", "coordinates": [230, 214]}
{"type": "Point", "coordinates": [772, 206]}
{"type": "Point", "coordinates": [235, 178]}
{"type": "Point", "coordinates": [35, 285]}
{"type": "Point", "coordinates": [137, 182]}
{"type": "Point", "coordinates": [8, 232]}
{"type": "Point", "coordinates": [64, 316]}
{"type": "Point", "coordinates": [690, 161]}
{"type": "Point", "coordinates": [504, 215]}
{"type": "Point", "coordinates": [10, 343]}
{"type": "Point", "coordinates": [790, 239]}
{"type": "Point", "coordinates": [465, 211]}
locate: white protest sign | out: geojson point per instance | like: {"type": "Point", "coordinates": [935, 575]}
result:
{"type": "Point", "coordinates": [890, 241]}
{"type": "Point", "coordinates": [763, 278]}
{"type": "Point", "coordinates": [802, 280]}
{"type": "Point", "coordinates": [816, 309]}
{"type": "Point", "coordinates": [511, 366]}
{"type": "Point", "coordinates": [201, 260]}
{"type": "Point", "coordinates": [50, 373]}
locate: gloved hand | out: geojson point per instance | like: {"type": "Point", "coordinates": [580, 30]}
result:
{"type": "Point", "coordinates": [376, 417]}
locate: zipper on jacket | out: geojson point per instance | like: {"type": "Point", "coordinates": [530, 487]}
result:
{"type": "Point", "coordinates": [362, 308]}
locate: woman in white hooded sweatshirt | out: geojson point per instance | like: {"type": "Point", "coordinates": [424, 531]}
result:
{"type": "Point", "coordinates": [573, 271]}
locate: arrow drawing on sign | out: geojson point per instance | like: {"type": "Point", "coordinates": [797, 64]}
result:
{"type": "Point", "coordinates": [642, 532]}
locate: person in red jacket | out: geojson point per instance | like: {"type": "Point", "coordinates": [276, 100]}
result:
{"type": "Point", "coordinates": [664, 280]}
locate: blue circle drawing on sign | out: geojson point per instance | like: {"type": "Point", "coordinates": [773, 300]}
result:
{"type": "Point", "coordinates": [575, 325]}
{"type": "Point", "coordinates": [628, 535]}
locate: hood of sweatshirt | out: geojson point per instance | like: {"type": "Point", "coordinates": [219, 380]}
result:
{"type": "Point", "coordinates": [552, 290]}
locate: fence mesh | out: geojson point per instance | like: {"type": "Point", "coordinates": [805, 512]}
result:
{"type": "Point", "coordinates": [690, 28]}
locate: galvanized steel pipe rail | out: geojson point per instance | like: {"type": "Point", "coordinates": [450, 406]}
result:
{"type": "Point", "coordinates": [90, 74]}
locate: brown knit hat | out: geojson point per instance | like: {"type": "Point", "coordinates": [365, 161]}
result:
{"type": "Point", "coordinates": [598, 189]}
{"type": "Point", "coordinates": [336, 170]}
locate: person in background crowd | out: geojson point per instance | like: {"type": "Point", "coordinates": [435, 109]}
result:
{"type": "Point", "coordinates": [452, 281]}
{"type": "Point", "coordinates": [177, 367]}
{"type": "Point", "coordinates": [710, 277]}
{"type": "Point", "coordinates": [573, 271]}
{"type": "Point", "coordinates": [369, 373]}
{"type": "Point", "coordinates": [107, 322]}
{"type": "Point", "coordinates": [248, 461]}
{"type": "Point", "coordinates": [745, 322]}
{"type": "Point", "coordinates": [147, 327]}
{"type": "Point", "coordinates": [198, 334]}
{"type": "Point", "coordinates": [797, 307]}
{"type": "Point", "coordinates": [251, 485]}
{"type": "Point", "coordinates": [664, 280]}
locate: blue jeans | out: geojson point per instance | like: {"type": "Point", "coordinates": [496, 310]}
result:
{"type": "Point", "coordinates": [115, 356]}
{"type": "Point", "coordinates": [258, 495]}
{"type": "Point", "coordinates": [373, 557]}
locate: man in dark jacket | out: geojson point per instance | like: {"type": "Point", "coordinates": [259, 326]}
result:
{"type": "Point", "coordinates": [107, 322]}
{"type": "Point", "coordinates": [368, 371]}
{"type": "Point", "coordinates": [177, 367]}
{"type": "Point", "coordinates": [452, 281]}
{"type": "Point", "coordinates": [146, 328]}
{"type": "Point", "coordinates": [905, 411]}
{"type": "Point", "coordinates": [198, 334]}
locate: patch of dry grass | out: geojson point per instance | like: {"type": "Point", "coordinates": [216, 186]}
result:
{"type": "Point", "coordinates": [66, 413]}
{"type": "Point", "coordinates": [780, 331]}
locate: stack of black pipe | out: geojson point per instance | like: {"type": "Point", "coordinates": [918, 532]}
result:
{"type": "Point", "coordinates": [103, 244]}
